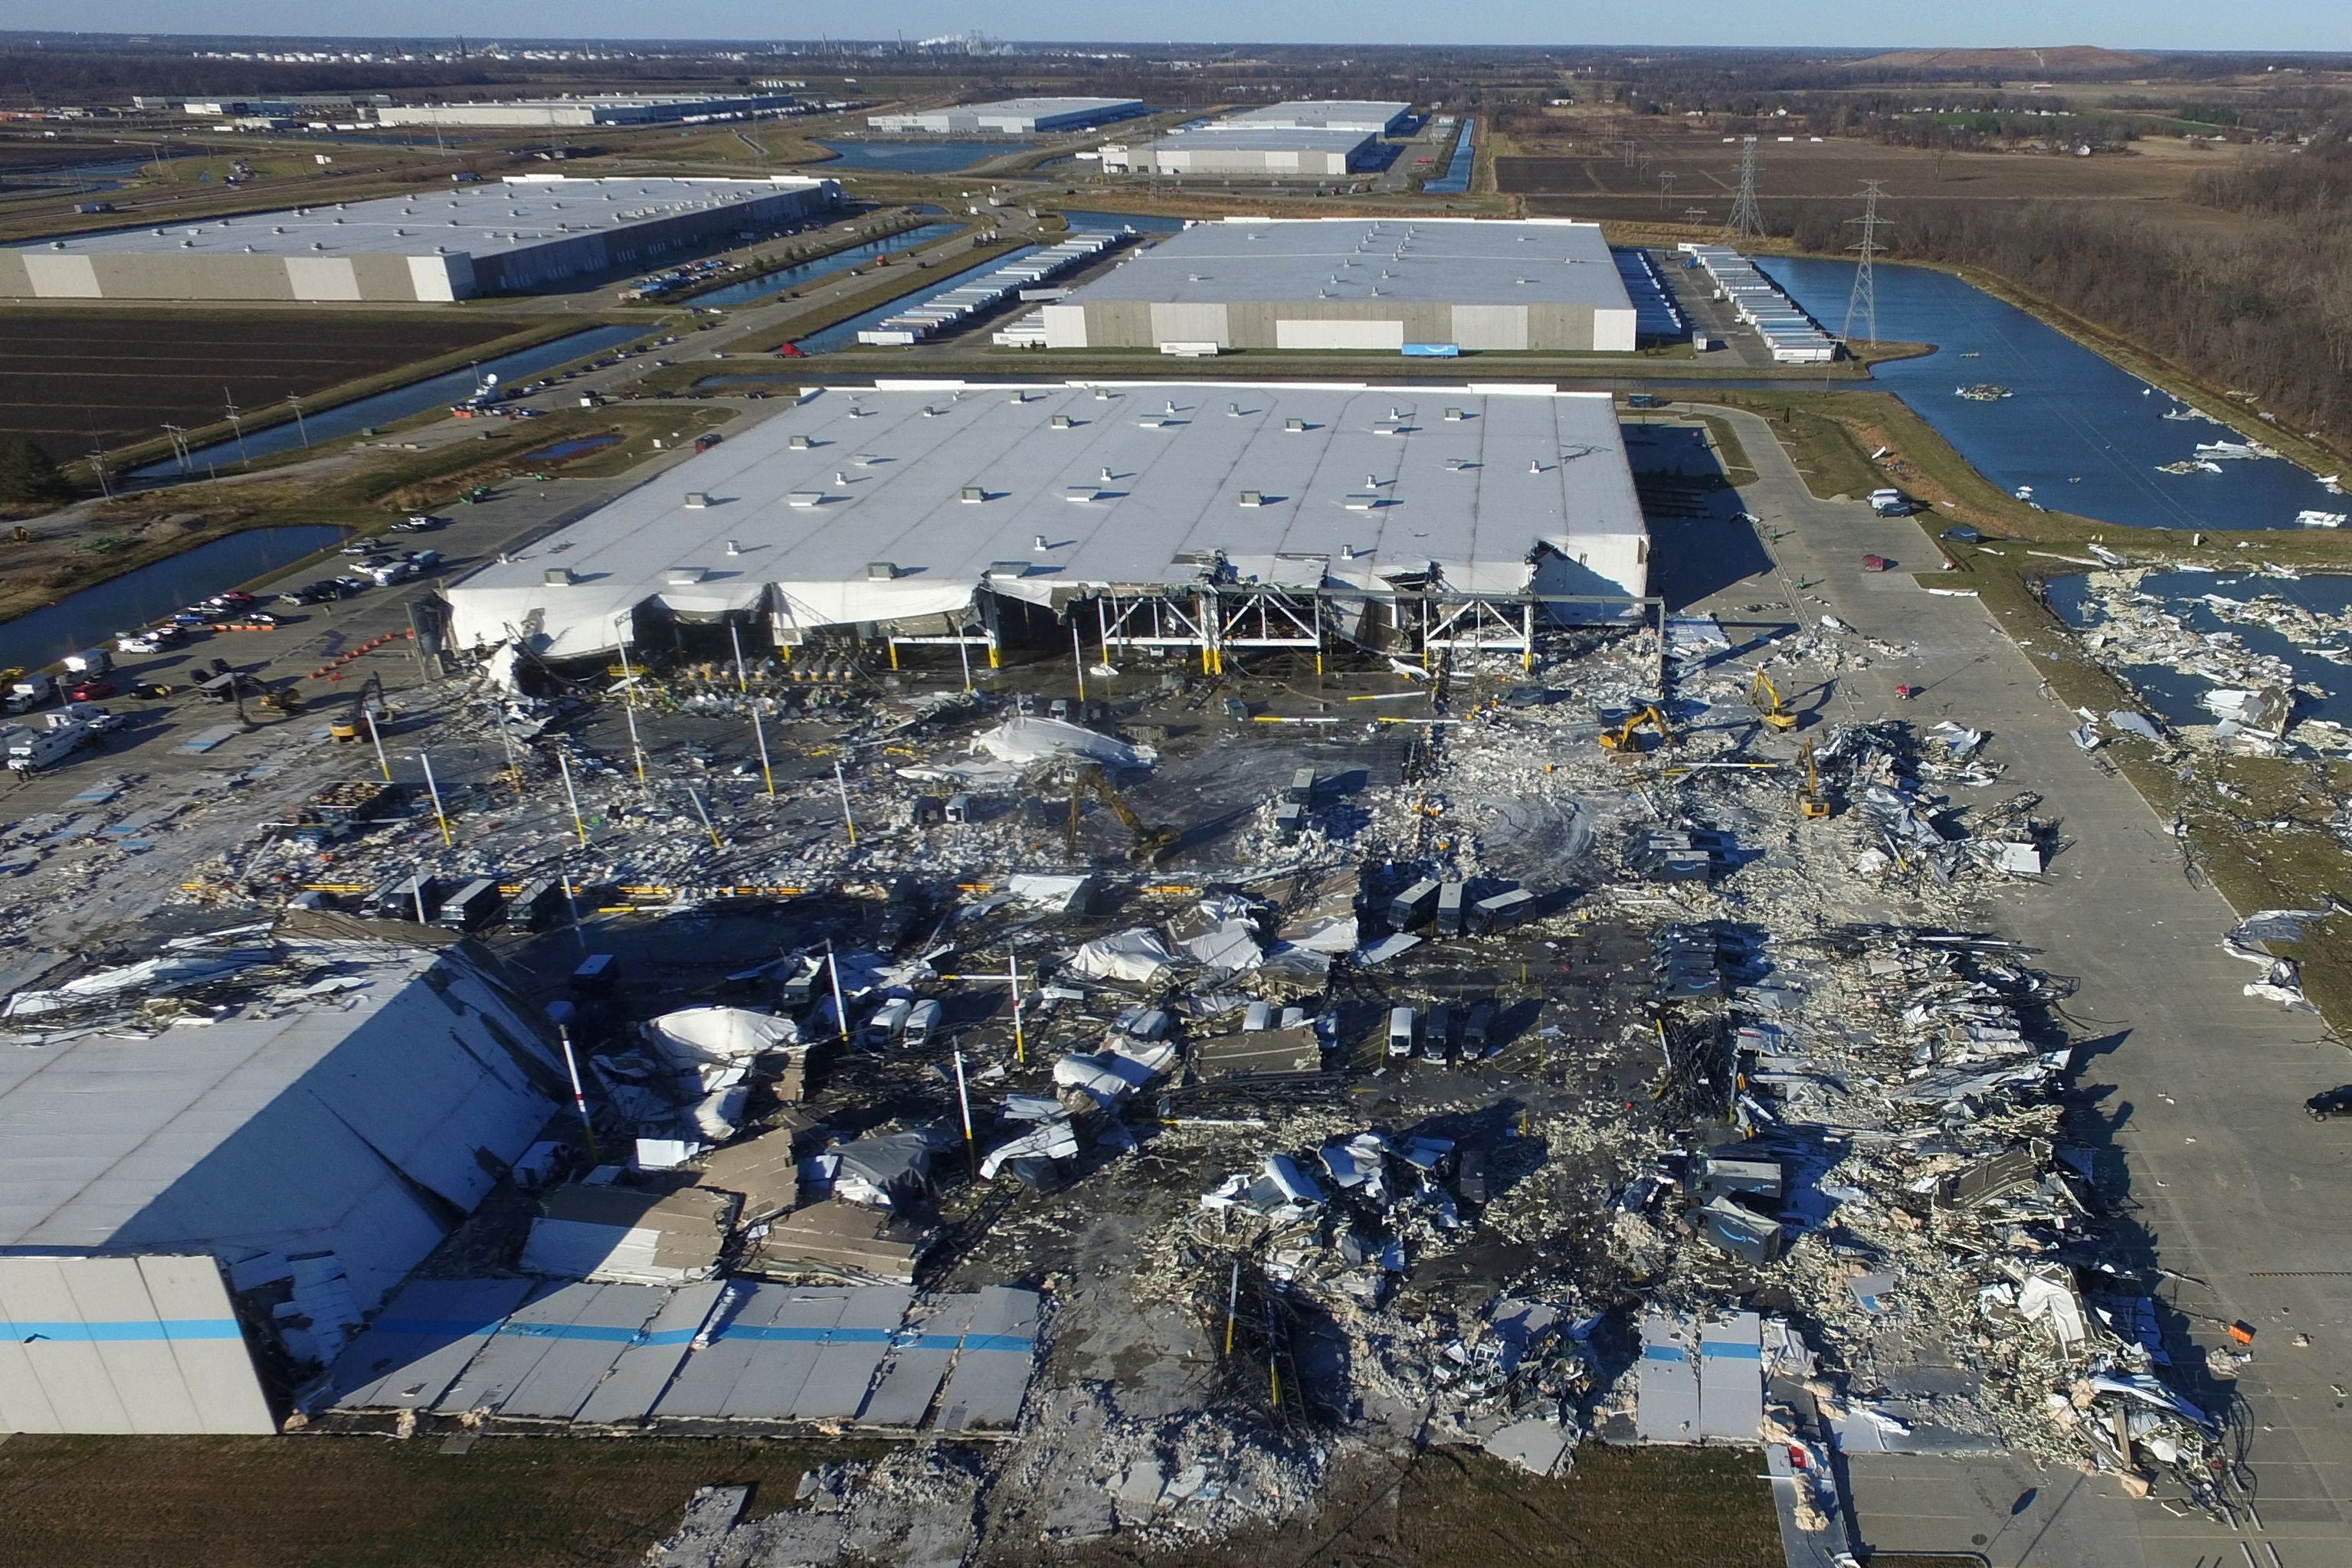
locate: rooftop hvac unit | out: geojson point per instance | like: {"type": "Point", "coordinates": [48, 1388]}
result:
{"type": "Point", "coordinates": [683, 576]}
{"type": "Point", "coordinates": [1252, 499]}
{"type": "Point", "coordinates": [801, 444]}
{"type": "Point", "coordinates": [558, 577]}
{"type": "Point", "coordinates": [1294, 425]}
{"type": "Point", "coordinates": [698, 499]}
{"type": "Point", "coordinates": [881, 571]}
{"type": "Point", "coordinates": [804, 498]}
{"type": "Point", "coordinates": [1062, 422]}
{"type": "Point", "coordinates": [972, 495]}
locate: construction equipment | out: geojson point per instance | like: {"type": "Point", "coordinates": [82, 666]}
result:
{"type": "Point", "coordinates": [1624, 740]}
{"type": "Point", "coordinates": [1811, 803]}
{"type": "Point", "coordinates": [1769, 705]}
{"type": "Point", "coordinates": [351, 724]}
{"type": "Point", "coordinates": [1152, 843]}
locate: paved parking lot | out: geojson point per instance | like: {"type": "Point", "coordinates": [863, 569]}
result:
{"type": "Point", "coordinates": [2222, 1180]}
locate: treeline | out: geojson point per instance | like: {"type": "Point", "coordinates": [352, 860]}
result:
{"type": "Point", "coordinates": [88, 76]}
{"type": "Point", "coordinates": [2265, 309]}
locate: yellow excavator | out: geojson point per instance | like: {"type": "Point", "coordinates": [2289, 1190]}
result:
{"type": "Point", "coordinates": [351, 725]}
{"type": "Point", "coordinates": [1151, 844]}
{"type": "Point", "coordinates": [1811, 802]}
{"type": "Point", "coordinates": [1624, 740]}
{"type": "Point", "coordinates": [1769, 705]}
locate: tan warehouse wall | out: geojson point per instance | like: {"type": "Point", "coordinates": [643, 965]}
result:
{"type": "Point", "coordinates": [1258, 324]}
{"type": "Point", "coordinates": [34, 275]}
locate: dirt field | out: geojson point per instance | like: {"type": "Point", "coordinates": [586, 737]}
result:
{"type": "Point", "coordinates": [122, 374]}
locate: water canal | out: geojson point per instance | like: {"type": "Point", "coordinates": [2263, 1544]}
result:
{"type": "Point", "coordinates": [2087, 436]}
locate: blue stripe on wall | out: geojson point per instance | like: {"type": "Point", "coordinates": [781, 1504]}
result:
{"type": "Point", "coordinates": [118, 1332]}
{"type": "Point", "coordinates": [807, 1336]}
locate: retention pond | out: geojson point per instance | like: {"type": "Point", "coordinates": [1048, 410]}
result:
{"type": "Point", "coordinates": [2079, 431]}
{"type": "Point", "coordinates": [90, 617]}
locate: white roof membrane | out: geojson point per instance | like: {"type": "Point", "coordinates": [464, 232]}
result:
{"type": "Point", "coordinates": [1129, 485]}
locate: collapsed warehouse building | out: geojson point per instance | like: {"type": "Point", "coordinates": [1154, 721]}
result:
{"type": "Point", "coordinates": [1166, 518]}
{"type": "Point", "coordinates": [215, 1159]}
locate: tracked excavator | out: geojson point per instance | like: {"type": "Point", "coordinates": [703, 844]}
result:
{"type": "Point", "coordinates": [1151, 844]}
{"type": "Point", "coordinates": [351, 724]}
{"type": "Point", "coordinates": [1626, 740]}
{"type": "Point", "coordinates": [1813, 802]}
{"type": "Point", "coordinates": [1768, 705]}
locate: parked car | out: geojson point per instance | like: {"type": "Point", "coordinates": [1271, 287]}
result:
{"type": "Point", "coordinates": [92, 690]}
{"type": "Point", "coordinates": [2330, 1104]}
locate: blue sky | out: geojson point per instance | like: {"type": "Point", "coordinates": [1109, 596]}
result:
{"type": "Point", "coordinates": [2299, 25]}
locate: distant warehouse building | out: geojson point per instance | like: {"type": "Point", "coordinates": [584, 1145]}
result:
{"type": "Point", "coordinates": [1379, 285]}
{"type": "Point", "coordinates": [192, 1218]}
{"type": "Point", "coordinates": [601, 108]}
{"type": "Point", "coordinates": [447, 243]}
{"type": "Point", "coordinates": [1267, 153]}
{"type": "Point", "coordinates": [1009, 116]}
{"type": "Point", "coordinates": [1375, 119]}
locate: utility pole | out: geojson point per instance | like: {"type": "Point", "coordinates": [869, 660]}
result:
{"type": "Point", "coordinates": [299, 428]}
{"type": "Point", "coordinates": [1665, 188]}
{"type": "Point", "coordinates": [629, 703]}
{"type": "Point", "coordinates": [237, 424]}
{"type": "Point", "coordinates": [1863, 300]}
{"type": "Point", "coordinates": [98, 466]}
{"type": "Point", "coordinates": [178, 436]}
{"type": "Point", "coordinates": [1747, 224]}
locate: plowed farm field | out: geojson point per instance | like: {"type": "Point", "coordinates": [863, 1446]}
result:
{"type": "Point", "coordinates": [70, 377]}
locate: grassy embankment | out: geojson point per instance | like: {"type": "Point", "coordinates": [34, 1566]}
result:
{"type": "Point", "coordinates": [556, 1502]}
{"type": "Point", "coordinates": [2256, 826]}
{"type": "Point", "coordinates": [365, 1503]}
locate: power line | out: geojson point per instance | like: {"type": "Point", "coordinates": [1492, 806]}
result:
{"type": "Point", "coordinates": [1863, 300]}
{"type": "Point", "coordinates": [1747, 224]}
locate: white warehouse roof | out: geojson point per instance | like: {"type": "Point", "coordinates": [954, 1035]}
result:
{"type": "Point", "coordinates": [1323, 114]}
{"type": "Point", "coordinates": [1497, 491]}
{"type": "Point", "coordinates": [342, 1083]}
{"type": "Point", "coordinates": [1010, 116]}
{"type": "Point", "coordinates": [479, 220]}
{"type": "Point", "coordinates": [1460, 261]}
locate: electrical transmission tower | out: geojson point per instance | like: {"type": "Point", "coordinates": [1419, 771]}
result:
{"type": "Point", "coordinates": [1747, 224]}
{"type": "Point", "coordinates": [1863, 300]}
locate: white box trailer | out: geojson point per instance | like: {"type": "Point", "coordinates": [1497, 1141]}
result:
{"type": "Point", "coordinates": [39, 748]}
